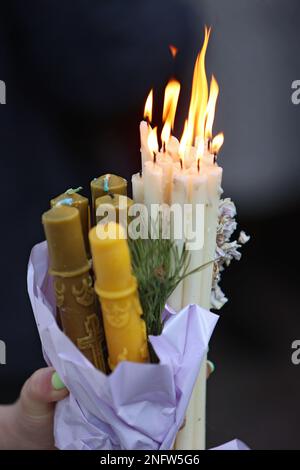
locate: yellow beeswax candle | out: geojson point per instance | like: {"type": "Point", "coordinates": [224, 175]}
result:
{"type": "Point", "coordinates": [107, 184]}
{"type": "Point", "coordinates": [125, 330]}
{"type": "Point", "coordinates": [73, 285]}
{"type": "Point", "coordinates": [72, 198]}
{"type": "Point", "coordinates": [116, 204]}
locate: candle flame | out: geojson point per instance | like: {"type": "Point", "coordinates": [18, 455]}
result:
{"type": "Point", "coordinates": [148, 107]}
{"type": "Point", "coordinates": [199, 95]}
{"type": "Point", "coordinates": [211, 107]}
{"type": "Point", "coordinates": [198, 126]}
{"type": "Point", "coordinates": [183, 142]}
{"type": "Point", "coordinates": [200, 149]}
{"type": "Point", "coordinates": [152, 141]}
{"type": "Point", "coordinates": [173, 50]}
{"type": "Point", "coordinates": [217, 143]}
{"type": "Point", "coordinates": [172, 91]}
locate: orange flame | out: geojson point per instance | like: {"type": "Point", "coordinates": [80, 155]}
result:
{"type": "Point", "coordinates": [169, 110]}
{"type": "Point", "coordinates": [200, 148]}
{"type": "Point", "coordinates": [217, 143]}
{"type": "Point", "coordinates": [148, 107]}
{"type": "Point", "coordinates": [198, 103]}
{"type": "Point", "coordinates": [152, 141]}
{"type": "Point", "coordinates": [198, 126]}
{"type": "Point", "coordinates": [183, 142]}
{"type": "Point", "coordinates": [173, 50]}
{"type": "Point", "coordinates": [211, 107]}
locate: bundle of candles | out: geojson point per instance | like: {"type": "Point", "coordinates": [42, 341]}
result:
{"type": "Point", "coordinates": [96, 293]}
{"type": "Point", "coordinates": [118, 333]}
{"type": "Point", "coordinates": [186, 172]}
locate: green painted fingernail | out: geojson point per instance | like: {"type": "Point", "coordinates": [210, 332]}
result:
{"type": "Point", "coordinates": [56, 381]}
{"type": "Point", "coordinates": [212, 366]}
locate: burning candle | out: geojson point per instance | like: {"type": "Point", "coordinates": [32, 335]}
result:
{"type": "Point", "coordinates": [137, 188]}
{"type": "Point", "coordinates": [116, 287]}
{"type": "Point", "coordinates": [197, 200]}
{"type": "Point", "coordinates": [72, 198]}
{"type": "Point", "coordinates": [73, 284]}
{"type": "Point", "coordinates": [152, 174]}
{"type": "Point", "coordinates": [180, 195]}
{"type": "Point", "coordinates": [153, 185]}
{"type": "Point", "coordinates": [145, 128]}
{"type": "Point", "coordinates": [196, 181]}
{"type": "Point", "coordinates": [172, 148]}
{"type": "Point", "coordinates": [165, 162]}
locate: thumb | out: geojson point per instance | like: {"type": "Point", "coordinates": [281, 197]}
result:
{"type": "Point", "coordinates": [38, 394]}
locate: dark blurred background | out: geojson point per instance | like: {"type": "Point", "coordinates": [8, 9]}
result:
{"type": "Point", "coordinates": [77, 74]}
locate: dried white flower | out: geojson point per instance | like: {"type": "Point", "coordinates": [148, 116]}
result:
{"type": "Point", "coordinates": [217, 298]}
{"type": "Point", "coordinates": [243, 237]}
{"type": "Point", "coordinates": [226, 249]}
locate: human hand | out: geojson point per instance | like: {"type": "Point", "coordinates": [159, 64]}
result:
{"type": "Point", "coordinates": [28, 424]}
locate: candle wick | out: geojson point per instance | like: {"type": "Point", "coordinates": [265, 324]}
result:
{"type": "Point", "coordinates": [74, 191]}
{"type": "Point", "coordinates": [181, 163]}
{"type": "Point", "coordinates": [147, 120]}
{"type": "Point", "coordinates": [106, 183]}
{"type": "Point", "coordinates": [215, 158]}
{"type": "Point", "coordinates": [154, 157]}
{"type": "Point", "coordinates": [198, 165]}
{"type": "Point", "coordinates": [164, 147]}
{"type": "Point", "coordinates": [67, 201]}
{"type": "Point", "coordinates": [209, 144]}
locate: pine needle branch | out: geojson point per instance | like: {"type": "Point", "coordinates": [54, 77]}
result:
{"type": "Point", "coordinates": [159, 267]}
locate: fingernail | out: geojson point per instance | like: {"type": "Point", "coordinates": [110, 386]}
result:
{"type": "Point", "coordinates": [56, 382]}
{"type": "Point", "coordinates": [211, 366]}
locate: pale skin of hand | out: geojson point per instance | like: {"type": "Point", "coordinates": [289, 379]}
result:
{"type": "Point", "coordinates": [28, 423]}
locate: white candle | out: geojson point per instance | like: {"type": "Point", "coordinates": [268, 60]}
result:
{"type": "Point", "coordinates": [153, 186]}
{"type": "Point", "coordinates": [214, 174]}
{"type": "Point", "coordinates": [137, 188]}
{"type": "Point", "coordinates": [189, 156]}
{"type": "Point", "coordinates": [192, 436]}
{"type": "Point", "coordinates": [165, 181]}
{"type": "Point", "coordinates": [197, 288]}
{"type": "Point", "coordinates": [180, 195]}
{"type": "Point", "coordinates": [166, 163]}
{"type": "Point", "coordinates": [172, 148]}
{"type": "Point", "coordinates": [198, 201]}
{"type": "Point", "coordinates": [145, 151]}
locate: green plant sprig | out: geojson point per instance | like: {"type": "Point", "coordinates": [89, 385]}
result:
{"type": "Point", "coordinates": [159, 267]}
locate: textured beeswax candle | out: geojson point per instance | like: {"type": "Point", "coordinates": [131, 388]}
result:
{"type": "Point", "coordinates": [75, 296]}
{"type": "Point", "coordinates": [116, 287]}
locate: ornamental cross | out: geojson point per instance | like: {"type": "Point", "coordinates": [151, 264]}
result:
{"type": "Point", "coordinates": [93, 341]}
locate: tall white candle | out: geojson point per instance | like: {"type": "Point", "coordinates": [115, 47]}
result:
{"type": "Point", "coordinates": [146, 154]}
{"type": "Point", "coordinates": [180, 195]}
{"type": "Point", "coordinates": [166, 163]}
{"type": "Point", "coordinates": [214, 174]}
{"type": "Point", "coordinates": [137, 188]}
{"type": "Point", "coordinates": [198, 201]}
{"type": "Point", "coordinates": [192, 436]}
{"type": "Point", "coordinates": [172, 148]}
{"type": "Point", "coordinates": [153, 187]}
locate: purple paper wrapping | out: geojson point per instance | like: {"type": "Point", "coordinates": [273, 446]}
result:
{"type": "Point", "coordinates": [138, 406]}
{"type": "Point", "coordinates": [235, 444]}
